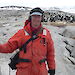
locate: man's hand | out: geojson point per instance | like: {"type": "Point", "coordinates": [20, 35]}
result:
{"type": "Point", "coordinates": [51, 72]}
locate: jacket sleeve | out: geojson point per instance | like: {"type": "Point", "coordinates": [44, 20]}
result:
{"type": "Point", "coordinates": [12, 44]}
{"type": "Point", "coordinates": [50, 53]}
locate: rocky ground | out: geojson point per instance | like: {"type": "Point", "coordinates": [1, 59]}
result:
{"type": "Point", "coordinates": [63, 37]}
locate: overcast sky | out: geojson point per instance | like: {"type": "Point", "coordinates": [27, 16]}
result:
{"type": "Point", "coordinates": [38, 3]}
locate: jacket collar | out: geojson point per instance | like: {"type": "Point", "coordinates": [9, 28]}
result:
{"type": "Point", "coordinates": [28, 29]}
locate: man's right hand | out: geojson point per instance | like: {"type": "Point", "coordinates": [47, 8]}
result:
{"type": "Point", "coordinates": [51, 72]}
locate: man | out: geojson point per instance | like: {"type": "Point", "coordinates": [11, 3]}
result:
{"type": "Point", "coordinates": [36, 51]}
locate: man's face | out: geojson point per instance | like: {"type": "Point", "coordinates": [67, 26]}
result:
{"type": "Point", "coordinates": [36, 20]}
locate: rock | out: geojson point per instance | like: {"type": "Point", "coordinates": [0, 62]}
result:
{"type": "Point", "coordinates": [0, 71]}
{"type": "Point", "coordinates": [72, 60]}
{"type": "Point", "coordinates": [73, 52]}
{"type": "Point", "coordinates": [69, 32]}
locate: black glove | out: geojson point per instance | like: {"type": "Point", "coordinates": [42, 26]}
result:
{"type": "Point", "coordinates": [51, 72]}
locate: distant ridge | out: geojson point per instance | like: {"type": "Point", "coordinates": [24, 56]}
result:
{"type": "Point", "coordinates": [15, 8]}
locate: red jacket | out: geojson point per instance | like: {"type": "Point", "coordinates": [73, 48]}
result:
{"type": "Point", "coordinates": [36, 50]}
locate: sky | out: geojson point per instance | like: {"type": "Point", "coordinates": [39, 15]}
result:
{"type": "Point", "coordinates": [39, 3]}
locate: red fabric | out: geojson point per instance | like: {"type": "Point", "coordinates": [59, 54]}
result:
{"type": "Point", "coordinates": [31, 29]}
{"type": "Point", "coordinates": [26, 22]}
{"type": "Point", "coordinates": [28, 28]}
{"type": "Point", "coordinates": [36, 51]}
